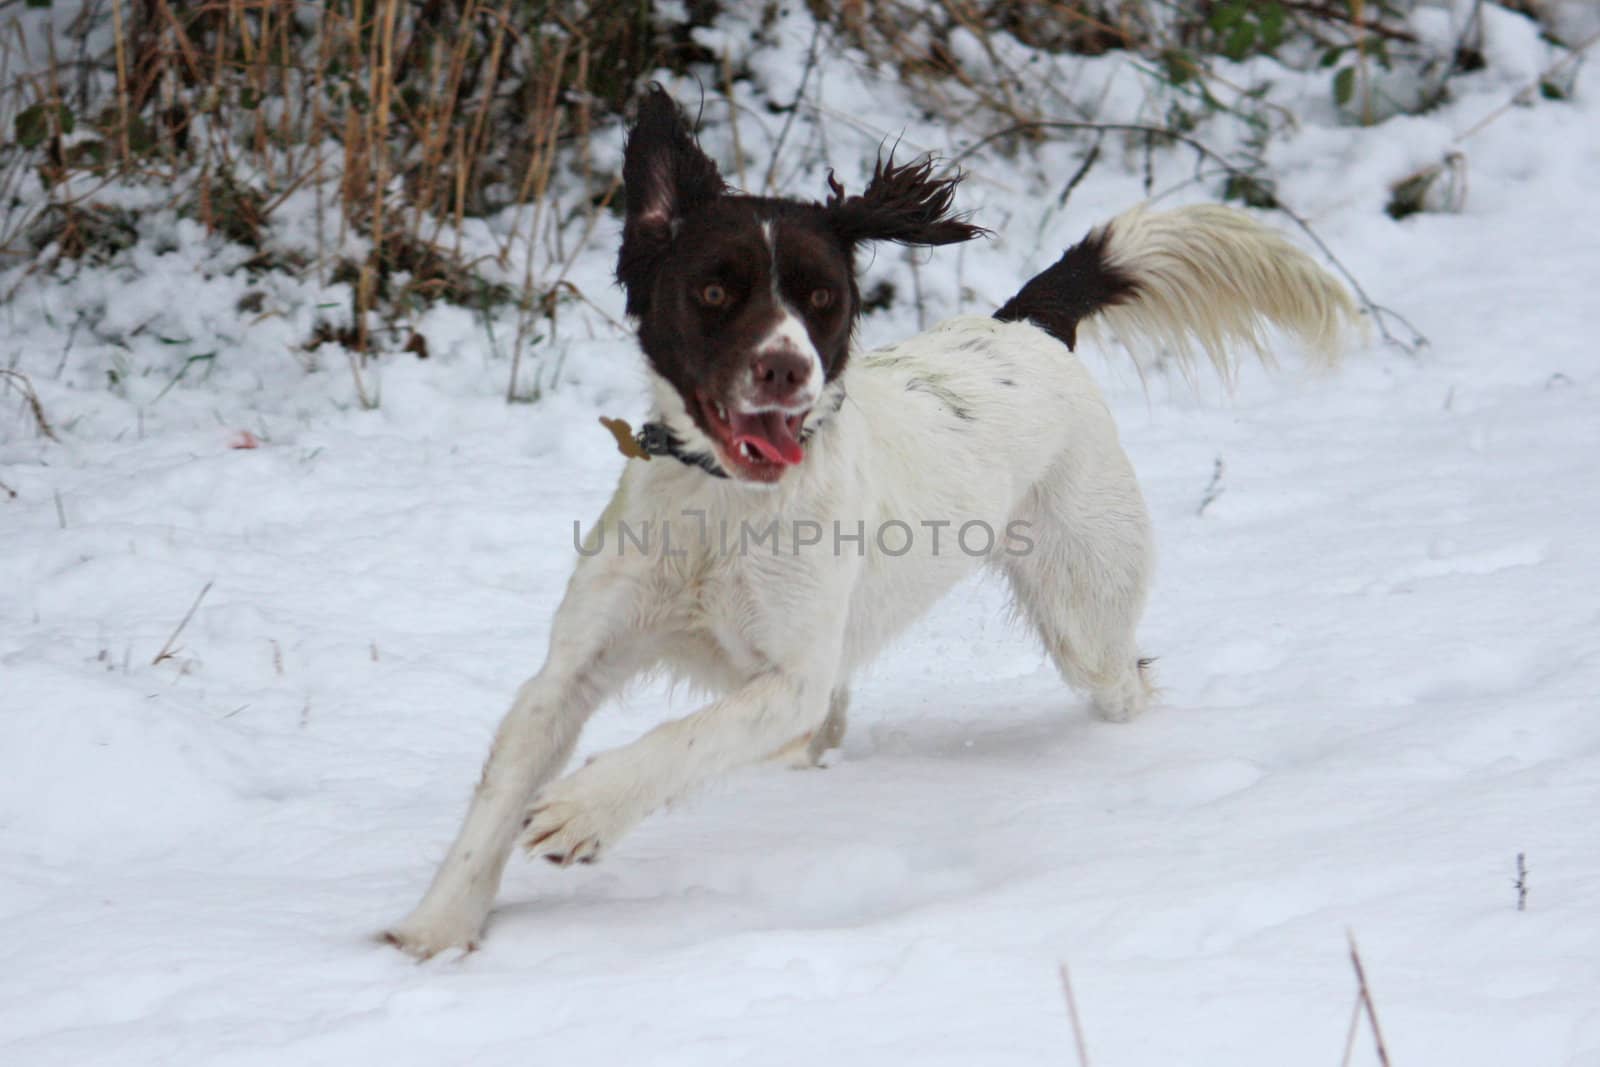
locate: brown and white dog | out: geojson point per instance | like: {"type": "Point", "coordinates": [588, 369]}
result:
{"type": "Point", "coordinates": [807, 505]}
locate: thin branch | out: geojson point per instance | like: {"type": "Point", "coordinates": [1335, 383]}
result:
{"type": "Point", "coordinates": [1378, 311]}
{"type": "Point", "coordinates": [1332, 13]}
{"type": "Point", "coordinates": [167, 650]}
{"type": "Point", "coordinates": [1082, 172]}
{"type": "Point", "coordinates": [1072, 1013]}
{"type": "Point", "coordinates": [1205, 151]}
{"type": "Point", "coordinates": [1213, 488]}
{"type": "Point", "coordinates": [794, 108]}
{"type": "Point", "coordinates": [1366, 1001]}
{"type": "Point", "coordinates": [1522, 94]}
{"type": "Point", "coordinates": [1350, 1034]}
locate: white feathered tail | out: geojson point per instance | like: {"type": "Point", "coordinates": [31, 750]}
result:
{"type": "Point", "coordinates": [1206, 278]}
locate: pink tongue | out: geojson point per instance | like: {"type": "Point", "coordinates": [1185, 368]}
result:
{"type": "Point", "coordinates": [768, 433]}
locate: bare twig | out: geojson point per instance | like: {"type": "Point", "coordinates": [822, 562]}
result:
{"type": "Point", "coordinates": [1072, 1013]}
{"type": "Point", "coordinates": [122, 79]}
{"type": "Point", "coordinates": [1350, 1034]}
{"type": "Point", "coordinates": [794, 108]}
{"type": "Point", "coordinates": [369, 401]}
{"type": "Point", "coordinates": [1363, 75]}
{"type": "Point", "coordinates": [1351, 17]}
{"type": "Point", "coordinates": [1521, 883]}
{"type": "Point", "coordinates": [1213, 488]}
{"type": "Point", "coordinates": [916, 288]}
{"type": "Point", "coordinates": [1521, 94]}
{"type": "Point", "coordinates": [733, 117]}
{"type": "Point", "coordinates": [1366, 1001]}
{"type": "Point", "coordinates": [1082, 172]}
{"type": "Point", "coordinates": [19, 381]}
{"type": "Point", "coordinates": [1379, 312]}
{"type": "Point", "coordinates": [167, 650]}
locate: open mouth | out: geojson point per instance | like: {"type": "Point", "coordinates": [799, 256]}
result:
{"type": "Point", "coordinates": [760, 444]}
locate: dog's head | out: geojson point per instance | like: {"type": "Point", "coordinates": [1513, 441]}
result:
{"type": "Point", "coordinates": [746, 304]}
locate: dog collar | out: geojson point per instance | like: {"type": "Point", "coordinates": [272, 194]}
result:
{"type": "Point", "coordinates": [659, 439]}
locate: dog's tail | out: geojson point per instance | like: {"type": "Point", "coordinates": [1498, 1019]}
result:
{"type": "Point", "coordinates": [1204, 276]}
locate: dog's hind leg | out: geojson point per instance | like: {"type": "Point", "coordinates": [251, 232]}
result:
{"type": "Point", "coordinates": [807, 750]}
{"type": "Point", "coordinates": [1079, 566]}
{"type": "Point", "coordinates": [830, 734]}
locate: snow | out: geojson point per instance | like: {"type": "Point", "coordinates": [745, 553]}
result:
{"type": "Point", "coordinates": [1378, 647]}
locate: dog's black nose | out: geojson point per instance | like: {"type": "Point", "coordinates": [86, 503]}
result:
{"type": "Point", "coordinates": [779, 374]}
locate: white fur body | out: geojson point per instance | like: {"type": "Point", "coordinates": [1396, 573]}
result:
{"type": "Point", "coordinates": [954, 426]}
{"type": "Point", "coordinates": [973, 422]}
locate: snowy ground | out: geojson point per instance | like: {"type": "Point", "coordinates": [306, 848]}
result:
{"type": "Point", "coordinates": [1380, 647]}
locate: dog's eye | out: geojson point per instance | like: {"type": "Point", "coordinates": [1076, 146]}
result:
{"type": "Point", "coordinates": [713, 295]}
{"type": "Point", "coordinates": [821, 298]}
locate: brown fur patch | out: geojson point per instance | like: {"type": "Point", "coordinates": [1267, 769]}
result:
{"type": "Point", "coordinates": [1076, 286]}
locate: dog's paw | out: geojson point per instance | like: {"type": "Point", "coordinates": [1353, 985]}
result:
{"type": "Point", "coordinates": [561, 834]}
{"type": "Point", "coordinates": [575, 820]}
{"type": "Point", "coordinates": [423, 937]}
{"type": "Point", "coordinates": [1127, 699]}
{"type": "Point", "coordinates": [801, 754]}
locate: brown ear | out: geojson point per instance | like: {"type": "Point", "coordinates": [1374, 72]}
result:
{"type": "Point", "coordinates": [903, 203]}
{"type": "Point", "coordinates": [665, 176]}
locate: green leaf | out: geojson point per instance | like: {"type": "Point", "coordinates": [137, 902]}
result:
{"type": "Point", "coordinates": [1331, 56]}
{"type": "Point", "coordinates": [1239, 41]}
{"type": "Point", "coordinates": [1178, 66]}
{"type": "Point", "coordinates": [141, 138]}
{"type": "Point", "coordinates": [1248, 189]}
{"type": "Point", "coordinates": [32, 124]}
{"type": "Point", "coordinates": [38, 3]}
{"type": "Point", "coordinates": [1272, 21]}
{"type": "Point", "coordinates": [1225, 16]}
{"type": "Point", "coordinates": [1344, 85]}
{"type": "Point", "coordinates": [87, 154]}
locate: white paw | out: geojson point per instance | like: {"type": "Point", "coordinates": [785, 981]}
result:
{"type": "Point", "coordinates": [801, 754]}
{"type": "Point", "coordinates": [1127, 699]}
{"type": "Point", "coordinates": [424, 936]}
{"type": "Point", "coordinates": [575, 819]}
{"type": "Point", "coordinates": [806, 751]}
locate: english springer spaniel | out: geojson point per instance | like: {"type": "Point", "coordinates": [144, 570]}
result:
{"type": "Point", "coordinates": [796, 504]}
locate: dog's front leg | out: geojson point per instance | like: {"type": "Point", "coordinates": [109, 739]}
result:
{"type": "Point", "coordinates": [595, 647]}
{"type": "Point", "coordinates": [574, 819]}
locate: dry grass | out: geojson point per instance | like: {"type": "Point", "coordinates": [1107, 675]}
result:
{"type": "Point", "coordinates": [406, 120]}
{"type": "Point", "coordinates": [17, 381]}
